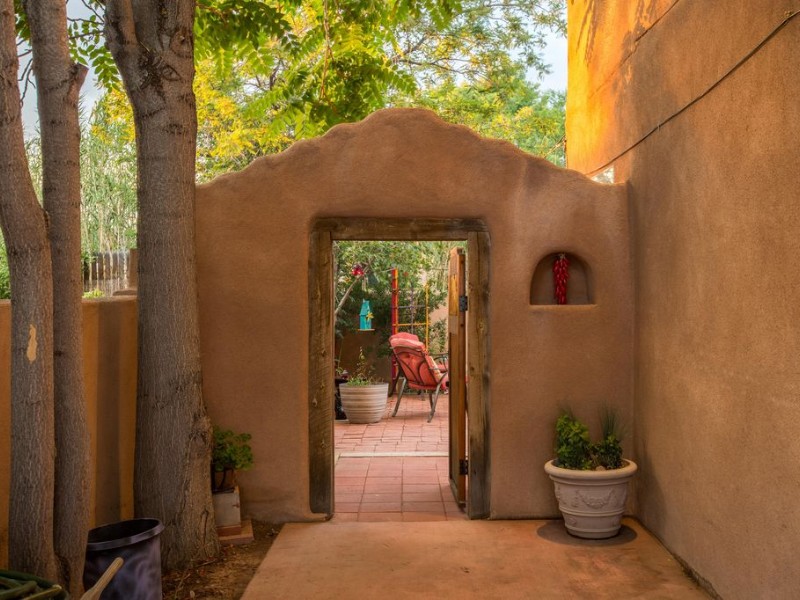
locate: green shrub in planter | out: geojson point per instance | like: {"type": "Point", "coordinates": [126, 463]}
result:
{"type": "Point", "coordinates": [574, 449]}
{"type": "Point", "coordinates": [231, 453]}
{"type": "Point", "coordinates": [590, 479]}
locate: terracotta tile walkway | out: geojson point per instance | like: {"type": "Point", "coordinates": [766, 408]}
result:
{"type": "Point", "coordinates": [395, 470]}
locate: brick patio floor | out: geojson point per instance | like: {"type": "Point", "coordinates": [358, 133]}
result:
{"type": "Point", "coordinates": [395, 470]}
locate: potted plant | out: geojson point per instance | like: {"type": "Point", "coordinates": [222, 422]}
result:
{"type": "Point", "coordinates": [231, 453]}
{"type": "Point", "coordinates": [590, 479]}
{"type": "Point", "coordinates": [364, 397]}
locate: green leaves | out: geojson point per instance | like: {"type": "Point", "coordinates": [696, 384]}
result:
{"type": "Point", "coordinates": [231, 450]}
{"type": "Point", "coordinates": [574, 450]}
{"type": "Point", "coordinates": [239, 25]}
{"type": "Point", "coordinates": [480, 36]}
{"type": "Point", "coordinates": [87, 44]}
{"type": "Point", "coordinates": [508, 107]}
{"type": "Point", "coordinates": [607, 452]}
{"type": "Point", "coordinates": [271, 72]}
{"type": "Point", "coordinates": [440, 13]}
{"type": "Point", "coordinates": [5, 281]}
{"type": "Point", "coordinates": [332, 61]}
{"type": "Point", "coordinates": [572, 443]}
{"type": "Point", "coordinates": [420, 265]}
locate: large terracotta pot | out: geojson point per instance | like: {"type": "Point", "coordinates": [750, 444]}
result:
{"type": "Point", "coordinates": [592, 502]}
{"type": "Point", "coordinates": [364, 403]}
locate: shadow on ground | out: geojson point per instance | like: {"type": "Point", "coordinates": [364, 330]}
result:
{"type": "Point", "coordinates": [556, 532]}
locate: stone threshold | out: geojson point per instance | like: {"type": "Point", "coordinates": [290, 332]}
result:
{"type": "Point", "coordinates": [389, 454]}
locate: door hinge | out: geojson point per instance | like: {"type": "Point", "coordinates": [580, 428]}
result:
{"type": "Point", "coordinates": [463, 466]}
{"type": "Point", "coordinates": [463, 303]}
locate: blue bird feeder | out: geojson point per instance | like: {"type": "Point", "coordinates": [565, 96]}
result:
{"type": "Point", "coordinates": [366, 317]}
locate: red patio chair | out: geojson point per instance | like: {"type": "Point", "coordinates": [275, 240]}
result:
{"type": "Point", "coordinates": [420, 372]}
{"type": "Point", "coordinates": [398, 374]}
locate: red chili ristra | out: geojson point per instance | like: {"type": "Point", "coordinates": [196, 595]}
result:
{"type": "Point", "coordinates": [560, 276]}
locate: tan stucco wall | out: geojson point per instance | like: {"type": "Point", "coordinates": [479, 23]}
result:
{"type": "Point", "coordinates": [715, 202]}
{"type": "Point", "coordinates": [349, 346]}
{"type": "Point", "coordinates": [109, 340]}
{"type": "Point", "coordinates": [253, 231]}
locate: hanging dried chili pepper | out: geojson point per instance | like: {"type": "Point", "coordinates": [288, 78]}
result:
{"type": "Point", "coordinates": [560, 276]}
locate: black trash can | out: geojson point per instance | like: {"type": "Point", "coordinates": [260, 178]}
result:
{"type": "Point", "coordinates": [137, 542]}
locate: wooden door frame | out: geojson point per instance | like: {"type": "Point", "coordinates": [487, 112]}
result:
{"type": "Point", "coordinates": [457, 347]}
{"type": "Point", "coordinates": [321, 342]}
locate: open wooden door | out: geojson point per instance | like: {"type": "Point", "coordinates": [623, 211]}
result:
{"type": "Point", "coordinates": [457, 341]}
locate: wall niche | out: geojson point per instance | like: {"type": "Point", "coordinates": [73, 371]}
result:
{"type": "Point", "coordinates": [579, 289]}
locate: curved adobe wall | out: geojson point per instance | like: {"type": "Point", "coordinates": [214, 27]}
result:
{"type": "Point", "coordinates": [253, 232]}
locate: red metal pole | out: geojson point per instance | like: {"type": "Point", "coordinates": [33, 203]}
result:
{"type": "Point", "coordinates": [395, 292]}
{"type": "Point", "coordinates": [394, 316]}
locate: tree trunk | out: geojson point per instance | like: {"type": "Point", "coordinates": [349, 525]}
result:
{"type": "Point", "coordinates": [152, 44]}
{"type": "Point", "coordinates": [58, 85]}
{"type": "Point", "coordinates": [30, 531]}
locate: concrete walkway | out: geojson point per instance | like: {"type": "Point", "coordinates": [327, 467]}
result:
{"type": "Point", "coordinates": [465, 559]}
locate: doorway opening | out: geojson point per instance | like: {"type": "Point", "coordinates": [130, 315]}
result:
{"type": "Point", "coordinates": [436, 459]}
{"type": "Point", "coordinates": [391, 321]}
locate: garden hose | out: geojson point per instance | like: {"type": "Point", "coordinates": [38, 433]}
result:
{"type": "Point", "coordinates": [14, 585]}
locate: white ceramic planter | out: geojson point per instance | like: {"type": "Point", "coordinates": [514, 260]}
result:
{"type": "Point", "coordinates": [364, 403]}
{"type": "Point", "coordinates": [227, 512]}
{"type": "Point", "coordinates": [592, 502]}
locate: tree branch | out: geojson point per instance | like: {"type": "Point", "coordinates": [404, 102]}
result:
{"type": "Point", "coordinates": [120, 30]}
{"type": "Point", "coordinates": [346, 295]}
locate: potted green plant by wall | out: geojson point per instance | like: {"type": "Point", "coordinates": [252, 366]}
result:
{"type": "Point", "coordinates": [231, 453]}
{"type": "Point", "coordinates": [590, 479]}
{"type": "Point", "coordinates": [364, 397]}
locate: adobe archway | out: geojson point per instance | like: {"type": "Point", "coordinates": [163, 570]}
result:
{"type": "Point", "coordinates": [320, 392]}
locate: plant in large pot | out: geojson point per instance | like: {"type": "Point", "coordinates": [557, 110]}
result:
{"type": "Point", "coordinates": [590, 479]}
{"type": "Point", "coordinates": [364, 397]}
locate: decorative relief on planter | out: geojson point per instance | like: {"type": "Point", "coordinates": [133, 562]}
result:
{"type": "Point", "coordinates": [597, 501]}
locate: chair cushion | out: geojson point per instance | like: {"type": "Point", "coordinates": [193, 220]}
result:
{"type": "Point", "coordinates": [419, 368]}
{"type": "Point", "coordinates": [405, 336]}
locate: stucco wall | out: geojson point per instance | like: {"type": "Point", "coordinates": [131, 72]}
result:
{"type": "Point", "coordinates": [109, 340]}
{"type": "Point", "coordinates": [253, 231]}
{"type": "Point", "coordinates": [710, 153]}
